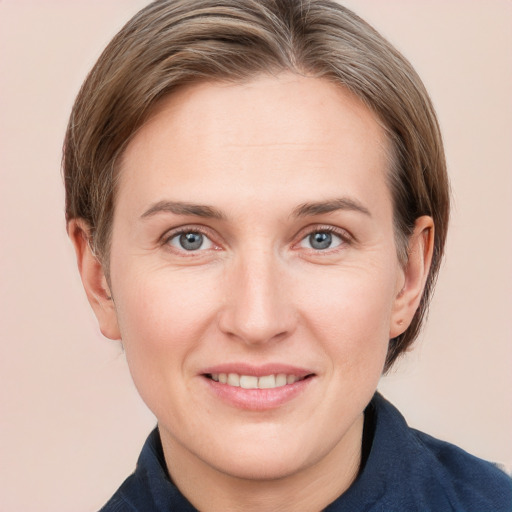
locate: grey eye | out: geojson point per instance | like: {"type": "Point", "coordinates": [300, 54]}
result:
{"type": "Point", "coordinates": [321, 240]}
{"type": "Point", "coordinates": [190, 241]}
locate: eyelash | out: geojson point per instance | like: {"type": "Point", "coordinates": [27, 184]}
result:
{"type": "Point", "coordinates": [169, 236]}
{"type": "Point", "coordinates": [344, 236]}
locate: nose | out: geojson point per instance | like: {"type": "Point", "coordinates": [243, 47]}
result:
{"type": "Point", "coordinates": [259, 307]}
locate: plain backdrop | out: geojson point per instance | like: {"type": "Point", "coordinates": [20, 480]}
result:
{"type": "Point", "coordinates": [71, 422]}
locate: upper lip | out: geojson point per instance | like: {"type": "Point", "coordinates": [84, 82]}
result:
{"type": "Point", "coordinates": [257, 370]}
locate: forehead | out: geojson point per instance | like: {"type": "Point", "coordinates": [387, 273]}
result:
{"type": "Point", "coordinates": [269, 129]}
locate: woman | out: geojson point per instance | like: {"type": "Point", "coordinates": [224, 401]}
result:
{"type": "Point", "coordinates": [258, 199]}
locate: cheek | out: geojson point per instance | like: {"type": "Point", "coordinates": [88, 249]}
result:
{"type": "Point", "coordinates": [164, 318]}
{"type": "Point", "coordinates": [350, 310]}
{"type": "Point", "coordinates": [164, 312]}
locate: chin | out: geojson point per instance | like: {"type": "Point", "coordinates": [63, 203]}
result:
{"type": "Point", "coordinates": [263, 457]}
{"type": "Point", "coordinates": [260, 467]}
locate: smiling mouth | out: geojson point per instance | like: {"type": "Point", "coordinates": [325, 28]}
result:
{"type": "Point", "coordinates": [271, 381]}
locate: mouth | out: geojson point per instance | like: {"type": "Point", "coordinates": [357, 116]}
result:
{"type": "Point", "coordinates": [271, 381]}
{"type": "Point", "coordinates": [257, 388]}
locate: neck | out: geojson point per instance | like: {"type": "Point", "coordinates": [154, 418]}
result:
{"type": "Point", "coordinates": [310, 488]}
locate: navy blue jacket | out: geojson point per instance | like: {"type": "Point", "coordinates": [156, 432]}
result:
{"type": "Point", "coordinates": [404, 471]}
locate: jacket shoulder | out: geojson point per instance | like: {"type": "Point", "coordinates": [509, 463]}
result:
{"type": "Point", "coordinates": [469, 482]}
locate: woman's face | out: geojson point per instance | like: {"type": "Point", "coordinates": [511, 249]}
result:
{"type": "Point", "coordinates": [253, 242]}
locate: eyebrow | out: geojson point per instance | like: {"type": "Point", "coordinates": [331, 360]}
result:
{"type": "Point", "coordinates": [181, 208]}
{"type": "Point", "coordinates": [332, 205]}
{"type": "Point", "coordinates": [303, 210]}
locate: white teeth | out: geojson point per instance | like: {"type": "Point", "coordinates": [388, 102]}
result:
{"type": "Point", "coordinates": [290, 379]}
{"type": "Point", "coordinates": [233, 379]}
{"type": "Point", "coordinates": [280, 380]}
{"type": "Point", "coordinates": [248, 382]}
{"type": "Point", "coordinates": [267, 382]}
{"type": "Point", "coordinates": [253, 382]}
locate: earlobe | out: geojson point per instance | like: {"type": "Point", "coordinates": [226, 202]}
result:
{"type": "Point", "coordinates": [415, 273]}
{"type": "Point", "coordinates": [94, 279]}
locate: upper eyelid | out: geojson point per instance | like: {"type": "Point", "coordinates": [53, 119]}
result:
{"type": "Point", "coordinates": [347, 240]}
{"type": "Point", "coordinates": [193, 228]}
{"type": "Point", "coordinates": [165, 240]}
{"type": "Point", "coordinates": [318, 228]}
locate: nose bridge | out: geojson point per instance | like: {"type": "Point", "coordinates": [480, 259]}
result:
{"type": "Point", "coordinates": [259, 308]}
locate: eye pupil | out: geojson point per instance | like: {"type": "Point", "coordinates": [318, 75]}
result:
{"type": "Point", "coordinates": [320, 240]}
{"type": "Point", "coordinates": [191, 241]}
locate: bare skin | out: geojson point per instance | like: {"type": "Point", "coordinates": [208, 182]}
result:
{"type": "Point", "coordinates": [253, 235]}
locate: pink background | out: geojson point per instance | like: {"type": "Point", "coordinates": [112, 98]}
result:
{"type": "Point", "coordinates": [71, 423]}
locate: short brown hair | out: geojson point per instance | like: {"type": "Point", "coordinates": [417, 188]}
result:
{"type": "Point", "coordinates": [171, 43]}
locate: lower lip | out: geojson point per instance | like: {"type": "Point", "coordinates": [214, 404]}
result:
{"type": "Point", "coordinates": [258, 399]}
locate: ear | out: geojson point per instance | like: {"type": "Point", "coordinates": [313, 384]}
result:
{"type": "Point", "coordinates": [414, 276]}
{"type": "Point", "coordinates": [94, 280]}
